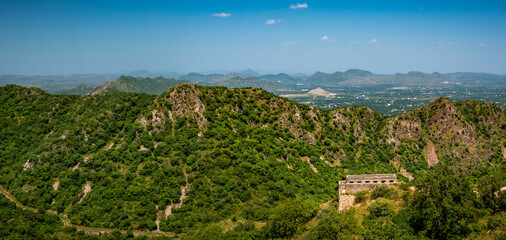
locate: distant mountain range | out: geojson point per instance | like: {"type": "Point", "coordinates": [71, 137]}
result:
{"type": "Point", "coordinates": [358, 77]}
{"type": "Point", "coordinates": [82, 84]}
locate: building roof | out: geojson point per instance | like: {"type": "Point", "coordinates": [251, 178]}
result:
{"type": "Point", "coordinates": [371, 177]}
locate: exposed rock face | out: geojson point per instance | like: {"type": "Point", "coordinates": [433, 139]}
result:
{"type": "Point", "coordinates": [306, 159]}
{"type": "Point", "coordinates": [406, 174]}
{"type": "Point", "coordinates": [156, 120]}
{"type": "Point", "coordinates": [27, 165]}
{"type": "Point", "coordinates": [100, 88]}
{"type": "Point", "coordinates": [431, 155]}
{"type": "Point", "coordinates": [109, 146]}
{"type": "Point", "coordinates": [56, 184]}
{"type": "Point", "coordinates": [184, 101]}
{"type": "Point", "coordinates": [76, 166]}
{"type": "Point", "coordinates": [445, 121]}
{"type": "Point", "coordinates": [86, 190]}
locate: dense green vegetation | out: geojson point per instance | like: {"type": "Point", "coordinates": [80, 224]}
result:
{"type": "Point", "coordinates": [25, 224]}
{"type": "Point", "coordinates": [243, 160]}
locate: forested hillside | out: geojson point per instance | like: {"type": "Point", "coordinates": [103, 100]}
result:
{"type": "Point", "coordinates": [136, 84]}
{"type": "Point", "coordinates": [246, 164]}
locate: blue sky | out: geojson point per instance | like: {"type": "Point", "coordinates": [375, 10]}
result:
{"type": "Point", "coordinates": [66, 37]}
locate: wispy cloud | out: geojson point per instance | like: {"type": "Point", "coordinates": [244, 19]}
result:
{"type": "Point", "coordinates": [326, 38]}
{"type": "Point", "coordinates": [272, 21]}
{"type": "Point", "coordinates": [480, 45]}
{"type": "Point", "coordinates": [291, 43]}
{"type": "Point", "coordinates": [298, 5]}
{"type": "Point", "coordinates": [373, 40]}
{"type": "Point", "coordinates": [445, 43]}
{"type": "Point", "coordinates": [222, 14]}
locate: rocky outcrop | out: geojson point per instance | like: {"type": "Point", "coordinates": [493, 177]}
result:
{"type": "Point", "coordinates": [183, 101]}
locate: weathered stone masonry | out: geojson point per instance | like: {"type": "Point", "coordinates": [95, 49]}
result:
{"type": "Point", "coordinates": [356, 183]}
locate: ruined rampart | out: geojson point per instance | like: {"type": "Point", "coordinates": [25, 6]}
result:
{"type": "Point", "coordinates": [357, 183]}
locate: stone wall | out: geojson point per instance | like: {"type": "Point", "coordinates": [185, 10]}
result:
{"type": "Point", "coordinates": [357, 183]}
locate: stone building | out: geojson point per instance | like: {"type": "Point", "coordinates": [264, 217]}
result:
{"type": "Point", "coordinates": [357, 183]}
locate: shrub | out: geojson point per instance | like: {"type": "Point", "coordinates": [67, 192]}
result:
{"type": "Point", "coordinates": [361, 196]}
{"type": "Point", "coordinates": [380, 208]}
{"type": "Point", "coordinates": [382, 191]}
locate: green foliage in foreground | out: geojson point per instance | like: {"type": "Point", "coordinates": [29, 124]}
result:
{"type": "Point", "coordinates": [24, 224]}
{"type": "Point", "coordinates": [336, 225]}
{"type": "Point", "coordinates": [240, 154]}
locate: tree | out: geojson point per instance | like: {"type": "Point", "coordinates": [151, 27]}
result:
{"type": "Point", "coordinates": [380, 208]}
{"type": "Point", "coordinates": [288, 217]}
{"type": "Point", "coordinates": [442, 205]}
{"type": "Point", "coordinates": [208, 231]}
{"type": "Point", "coordinates": [336, 225]}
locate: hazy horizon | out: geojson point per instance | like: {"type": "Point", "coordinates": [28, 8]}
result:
{"type": "Point", "coordinates": [225, 71]}
{"type": "Point", "coordinates": [383, 37]}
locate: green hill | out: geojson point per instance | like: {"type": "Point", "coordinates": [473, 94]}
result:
{"type": "Point", "coordinates": [200, 78]}
{"type": "Point", "coordinates": [334, 79]}
{"type": "Point", "coordinates": [281, 77]}
{"type": "Point", "coordinates": [79, 90]}
{"type": "Point", "coordinates": [137, 84]}
{"type": "Point", "coordinates": [201, 160]}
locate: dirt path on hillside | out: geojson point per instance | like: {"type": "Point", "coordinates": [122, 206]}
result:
{"type": "Point", "coordinates": [184, 194]}
{"type": "Point", "coordinates": [89, 230]}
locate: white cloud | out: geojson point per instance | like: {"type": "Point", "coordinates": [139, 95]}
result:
{"type": "Point", "coordinates": [373, 40]}
{"type": "Point", "coordinates": [298, 5]}
{"type": "Point", "coordinates": [272, 21]}
{"type": "Point", "coordinates": [326, 38]}
{"type": "Point", "coordinates": [290, 43]}
{"type": "Point", "coordinates": [440, 42]}
{"type": "Point", "coordinates": [222, 14]}
{"type": "Point", "coordinates": [480, 45]}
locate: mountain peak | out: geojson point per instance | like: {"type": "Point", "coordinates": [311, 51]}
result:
{"type": "Point", "coordinates": [358, 72]}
